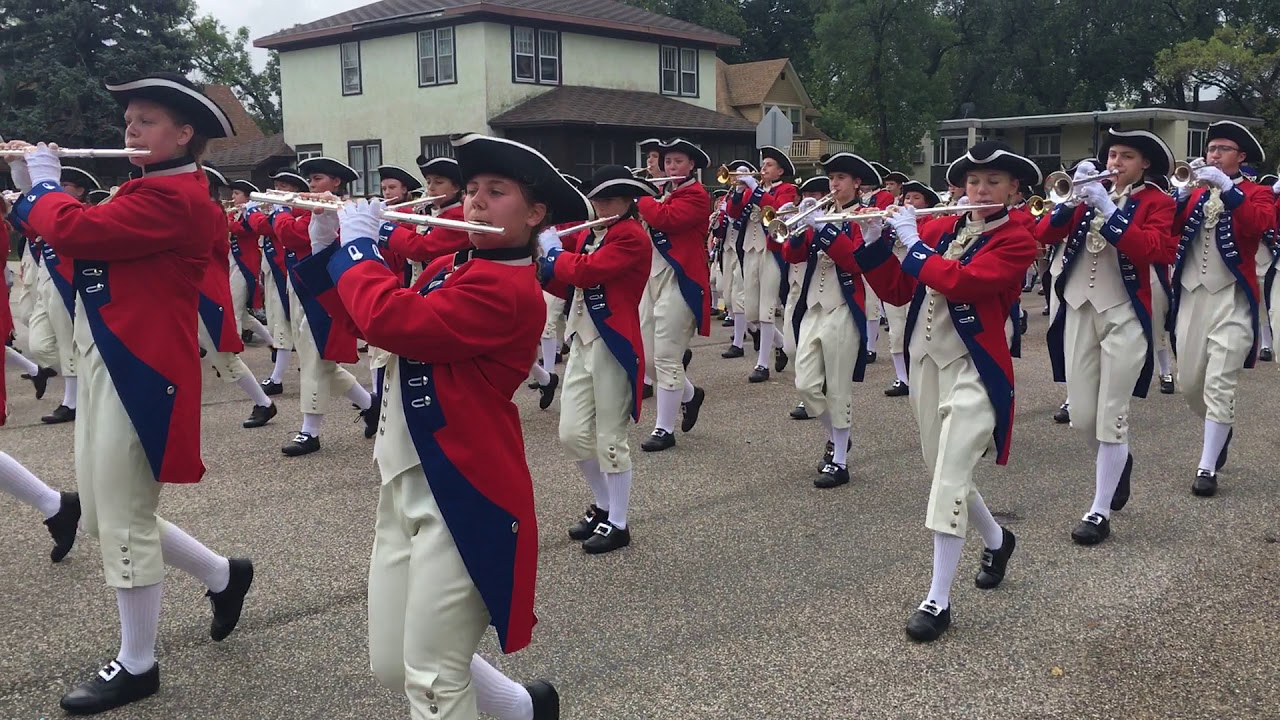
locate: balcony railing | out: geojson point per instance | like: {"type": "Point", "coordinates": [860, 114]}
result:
{"type": "Point", "coordinates": [807, 152]}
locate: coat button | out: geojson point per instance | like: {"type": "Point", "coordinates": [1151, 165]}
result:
{"type": "Point", "coordinates": [427, 400]}
{"type": "Point", "coordinates": [515, 526]}
{"type": "Point", "coordinates": [124, 575]}
{"type": "Point", "coordinates": [431, 695]}
{"type": "Point", "coordinates": [124, 548]}
{"type": "Point", "coordinates": [433, 709]}
{"type": "Point", "coordinates": [124, 561]}
{"type": "Point", "coordinates": [169, 390]}
{"type": "Point", "coordinates": [382, 431]}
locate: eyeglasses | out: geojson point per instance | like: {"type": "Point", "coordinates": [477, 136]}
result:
{"type": "Point", "coordinates": [1221, 149]}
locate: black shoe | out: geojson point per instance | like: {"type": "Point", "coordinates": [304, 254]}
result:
{"type": "Point", "coordinates": [111, 688]}
{"type": "Point", "coordinates": [1045, 311]}
{"type": "Point", "coordinates": [1022, 324]}
{"type": "Point", "coordinates": [1205, 484]}
{"type": "Point", "coordinates": [548, 392]}
{"type": "Point", "coordinates": [829, 456]}
{"type": "Point", "coordinates": [271, 389]}
{"type": "Point", "coordinates": [871, 356]}
{"type": "Point", "coordinates": [260, 416]}
{"type": "Point", "coordinates": [1265, 355]}
{"type": "Point", "coordinates": [832, 476]}
{"type": "Point", "coordinates": [928, 622]}
{"type": "Point", "coordinates": [246, 336]}
{"type": "Point", "coordinates": [1121, 496]}
{"type": "Point", "coordinates": [203, 353]}
{"type": "Point", "coordinates": [799, 413]}
{"type": "Point", "coordinates": [363, 349]}
{"type": "Point", "coordinates": [607, 538]}
{"type": "Point", "coordinates": [691, 409]}
{"type": "Point", "coordinates": [301, 444]}
{"type": "Point", "coordinates": [546, 701]}
{"type": "Point", "coordinates": [1166, 385]}
{"type": "Point", "coordinates": [658, 441]}
{"type": "Point", "coordinates": [1063, 415]}
{"type": "Point", "coordinates": [559, 358]}
{"type": "Point", "coordinates": [728, 320]}
{"type": "Point", "coordinates": [898, 389]}
{"type": "Point", "coordinates": [41, 380]}
{"type": "Point", "coordinates": [586, 527]}
{"type": "Point", "coordinates": [733, 352]}
{"type": "Point", "coordinates": [686, 359]}
{"type": "Point", "coordinates": [370, 418]}
{"type": "Point", "coordinates": [755, 338]}
{"type": "Point", "coordinates": [647, 392]}
{"type": "Point", "coordinates": [759, 375]}
{"type": "Point", "coordinates": [1092, 530]}
{"type": "Point", "coordinates": [994, 562]}
{"type": "Point", "coordinates": [780, 360]}
{"type": "Point", "coordinates": [62, 526]}
{"type": "Point", "coordinates": [60, 414]}
{"type": "Point", "coordinates": [1222, 454]}
{"type": "Point", "coordinates": [228, 603]}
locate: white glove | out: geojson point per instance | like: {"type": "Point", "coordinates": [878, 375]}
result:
{"type": "Point", "coordinates": [1084, 170]}
{"type": "Point", "coordinates": [963, 201]}
{"type": "Point", "coordinates": [323, 230]}
{"type": "Point", "coordinates": [1209, 173]}
{"type": "Point", "coordinates": [787, 208]}
{"type": "Point", "coordinates": [1275, 189]}
{"type": "Point", "coordinates": [904, 226]}
{"type": "Point", "coordinates": [43, 165]}
{"type": "Point", "coordinates": [250, 206]}
{"type": "Point", "coordinates": [21, 176]}
{"type": "Point", "coordinates": [361, 219]}
{"type": "Point", "coordinates": [872, 230]}
{"type": "Point", "coordinates": [1097, 197]}
{"type": "Point", "coordinates": [747, 181]}
{"type": "Point", "coordinates": [548, 240]}
{"type": "Point", "coordinates": [811, 221]}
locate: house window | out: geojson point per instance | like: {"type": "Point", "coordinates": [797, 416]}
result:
{"type": "Point", "coordinates": [351, 84]}
{"type": "Point", "coordinates": [593, 154]}
{"type": "Point", "coordinates": [435, 146]}
{"type": "Point", "coordinates": [1044, 145]}
{"type": "Point", "coordinates": [1196, 142]}
{"type": "Point", "coordinates": [535, 56]}
{"type": "Point", "coordinates": [796, 116]}
{"type": "Point", "coordinates": [678, 71]}
{"type": "Point", "coordinates": [435, 57]}
{"type": "Point", "coordinates": [364, 156]}
{"type": "Point", "coordinates": [306, 152]}
{"type": "Point", "coordinates": [947, 150]}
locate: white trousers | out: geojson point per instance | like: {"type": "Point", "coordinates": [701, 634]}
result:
{"type": "Point", "coordinates": [321, 378]}
{"type": "Point", "coordinates": [1214, 336]}
{"type": "Point", "coordinates": [51, 328]}
{"type": "Point", "coordinates": [667, 327]}
{"type": "Point", "coordinates": [826, 355]}
{"type": "Point", "coordinates": [1105, 353]}
{"type": "Point", "coordinates": [595, 407]}
{"type": "Point", "coordinates": [278, 322]}
{"type": "Point", "coordinates": [897, 315]}
{"type": "Point", "coordinates": [554, 327]}
{"type": "Point", "coordinates": [733, 289]}
{"type": "Point", "coordinates": [229, 366]}
{"type": "Point", "coordinates": [762, 279]}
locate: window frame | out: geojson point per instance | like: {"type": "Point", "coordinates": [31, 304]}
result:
{"type": "Point", "coordinates": [679, 55]}
{"type": "Point", "coordinates": [1192, 132]}
{"type": "Point", "coordinates": [1033, 140]}
{"type": "Point", "coordinates": [940, 145]}
{"type": "Point", "coordinates": [307, 151]}
{"type": "Point", "coordinates": [359, 66]}
{"type": "Point", "coordinates": [436, 56]}
{"type": "Point", "coordinates": [425, 142]}
{"type": "Point", "coordinates": [367, 171]}
{"type": "Point", "coordinates": [537, 56]}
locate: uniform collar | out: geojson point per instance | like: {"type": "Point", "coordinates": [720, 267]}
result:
{"type": "Point", "coordinates": [508, 255]}
{"type": "Point", "coordinates": [176, 166]}
{"type": "Point", "coordinates": [456, 203]}
{"type": "Point", "coordinates": [991, 223]}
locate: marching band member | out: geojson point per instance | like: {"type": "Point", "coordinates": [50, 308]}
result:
{"type": "Point", "coordinates": [761, 264]}
{"type": "Point", "coordinates": [456, 541]}
{"type": "Point", "coordinates": [815, 188]}
{"type": "Point", "coordinates": [962, 278]}
{"type": "Point", "coordinates": [1215, 311]}
{"type": "Point", "coordinates": [1264, 266]}
{"type": "Point", "coordinates": [676, 302]}
{"type": "Point", "coordinates": [137, 351]}
{"type": "Point", "coordinates": [716, 234]}
{"type": "Point", "coordinates": [874, 195]}
{"type": "Point", "coordinates": [421, 244]}
{"type": "Point", "coordinates": [275, 294]}
{"type": "Point", "coordinates": [649, 148]}
{"type": "Point", "coordinates": [829, 316]}
{"type": "Point", "coordinates": [1062, 415]}
{"type": "Point", "coordinates": [921, 197]}
{"type": "Point", "coordinates": [543, 373]}
{"type": "Point", "coordinates": [894, 184]}
{"type": "Point", "coordinates": [601, 395]}
{"type": "Point", "coordinates": [321, 343]}
{"type": "Point", "coordinates": [396, 185]}
{"type": "Point", "coordinates": [735, 289]}
{"type": "Point", "coordinates": [245, 267]}
{"type": "Point", "coordinates": [1270, 288]}
{"type": "Point", "coordinates": [1107, 314]}
{"type": "Point", "coordinates": [219, 335]}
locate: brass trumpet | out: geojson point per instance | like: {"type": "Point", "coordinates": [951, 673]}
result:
{"type": "Point", "coordinates": [867, 217]}
{"type": "Point", "coordinates": [724, 175]}
{"type": "Point", "coordinates": [1062, 187]}
{"type": "Point", "coordinates": [1038, 206]}
{"type": "Point", "coordinates": [781, 228]}
{"type": "Point", "coordinates": [1183, 175]}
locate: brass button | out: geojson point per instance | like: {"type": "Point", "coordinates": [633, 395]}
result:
{"type": "Point", "coordinates": [433, 709]}
{"type": "Point", "coordinates": [124, 548]}
{"type": "Point", "coordinates": [928, 337]}
{"type": "Point", "coordinates": [958, 501]}
{"type": "Point", "coordinates": [124, 575]}
{"type": "Point", "coordinates": [382, 431]}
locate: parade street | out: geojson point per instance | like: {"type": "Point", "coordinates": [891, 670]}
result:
{"type": "Point", "coordinates": [746, 592]}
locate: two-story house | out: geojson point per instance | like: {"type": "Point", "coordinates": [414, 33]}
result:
{"type": "Point", "coordinates": [583, 81]}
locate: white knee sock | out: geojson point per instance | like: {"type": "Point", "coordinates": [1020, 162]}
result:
{"type": "Point", "coordinates": [946, 561]}
{"type": "Point", "coordinates": [22, 484]}
{"type": "Point", "coordinates": [619, 497]}
{"type": "Point", "coordinates": [497, 694]}
{"type": "Point", "coordinates": [259, 330]}
{"type": "Point", "coordinates": [739, 328]}
{"type": "Point", "coordinates": [18, 360]}
{"type": "Point", "coordinates": [873, 334]}
{"type": "Point", "coordinates": [282, 364]}
{"type": "Point", "coordinates": [360, 396]}
{"type": "Point", "coordinates": [1166, 367]}
{"type": "Point", "coordinates": [778, 339]}
{"type": "Point", "coordinates": [311, 423]}
{"type": "Point", "coordinates": [900, 366]}
{"type": "Point", "coordinates": [981, 518]}
{"type": "Point", "coordinates": [249, 384]}
{"type": "Point", "coordinates": [668, 409]}
{"type": "Point", "coordinates": [1110, 465]}
{"type": "Point", "coordinates": [190, 556]}
{"type": "Point", "coordinates": [766, 344]}
{"type": "Point", "coordinates": [1215, 437]}
{"type": "Point", "coordinates": [595, 478]}
{"type": "Point", "coordinates": [541, 375]}
{"type": "Point", "coordinates": [549, 348]}
{"type": "Point", "coordinates": [139, 622]}
{"type": "Point", "coordinates": [69, 385]}
{"type": "Point", "coordinates": [840, 441]}
{"type": "Point", "coordinates": [688, 390]}
{"type": "Point", "coordinates": [1264, 329]}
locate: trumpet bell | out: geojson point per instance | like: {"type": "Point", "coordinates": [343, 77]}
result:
{"type": "Point", "coordinates": [1184, 173]}
{"type": "Point", "coordinates": [1038, 206]}
{"type": "Point", "coordinates": [1059, 187]}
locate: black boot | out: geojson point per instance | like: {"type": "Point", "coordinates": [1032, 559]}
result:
{"type": "Point", "coordinates": [1205, 484]}
{"type": "Point", "coordinates": [228, 604]}
{"type": "Point", "coordinates": [1063, 415]}
{"type": "Point", "coordinates": [607, 538]}
{"type": "Point", "coordinates": [1121, 496]}
{"type": "Point", "coordinates": [62, 526]}
{"type": "Point", "coordinates": [260, 416]}
{"type": "Point", "coordinates": [301, 444]}
{"type": "Point", "coordinates": [60, 414]}
{"type": "Point", "coordinates": [1265, 355]}
{"type": "Point", "coordinates": [871, 356]}
{"type": "Point", "coordinates": [832, 476]}
{"type": "Point", "coordinates": [548, 392]}
{"type": "Point", "coordinates": [759, 375]}
{"type": "Point", "coordinates": [994, 562]}
{"type": "Point", "coordinates": [928, 622]}
{"type": "Point", "coordinates": [111, 688]}
{"type": "Point", "coordinates": [1092, 530]}
{"type": "Point", "coordinates": [658, 441]}
{"type": "Point", "coordinates": [586, 527]}
{"type": "Point", "coordinates": [691, 410]}
{"type": "Point", "coordinates": [546, 701]}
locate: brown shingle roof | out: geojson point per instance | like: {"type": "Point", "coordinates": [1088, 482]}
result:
{"type": "Point", "coordinates": [251, 153]}
{"type": "Point", "coordinates": [749, 83]}
{"type": "Point", "coordinates": [575, 105]}
{"type": "Point", "coordinates": [246, 129]}
{"type": "Point", "coordinates": [602, 15]}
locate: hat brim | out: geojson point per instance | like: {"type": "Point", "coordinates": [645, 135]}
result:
{"type": "Point", "coordinates": [97, 196]}
{"type": "Point", "coordinates": [395, 172]}
{"type": "Point", "coordinates": [850, 164]}
{"type": "Point", "coordinates": [649, 145]}
{"type": "Point", "coordinates": [818, 184]}
{"type": "Point", "coordinates": [770, 152]}
{"type": "Point", "coordinates": [202, 113]}
{"type": "Point", "coordinates": [897, 177]}
{"type": "Point", "coordinates": [328, 166]}
{"type": "Point", "coordinates": [622, 188]}
{"type": "Point", "coordinates": [80, 177]}
{"type": "Point", "coordinates": [1149, 144]}
{"type": "Point", "coordinates": [1240, 135]}
{"type": "Point", "coordinates": [700, 159]}
{"type": "Point", "coordinates": [245, 187]}
{"type": "Point", "coordinates": [481, 154]}
{"type": "Point", "coordinates": [750, 166]}
{"type": "Point", "coordinates": [916, 186]}
{"type": "Point", "coordinates": [1022, 169]}
{"type": "Point", "coordinates": [216, 176]}
{"type": "Point", "coordinates": [292, 178]}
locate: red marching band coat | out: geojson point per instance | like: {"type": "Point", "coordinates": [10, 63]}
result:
{"type": "Point", "coordinates": [216, 311]}
{"type": "Point", "coordinates": [278, 258]}
{"type": "Point", "coordinates": [682, 218]}
{"type": "Point", "coordinates": [613, 278]}
{"type": "Point", "coordinates": [244, 249]}
{"type": "Point", "coordinates": [1142, 233]}
{"type": "Point", "coordinates": [137, 277]}
{"type": "Point", "coordinates": [403, 242]}
{"type": "Point", "coordinates": [980, 287]}
{"type": "Point", "coordinates": [469, 327]}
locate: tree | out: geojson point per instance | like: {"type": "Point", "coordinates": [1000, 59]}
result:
{"type": "Point", "coordinates": [720, 15]}
{"type": "Point", "coordinates": [224, 59]}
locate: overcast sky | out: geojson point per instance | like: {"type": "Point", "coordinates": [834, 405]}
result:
{"type": "Point", "coordinates": [264, 17]}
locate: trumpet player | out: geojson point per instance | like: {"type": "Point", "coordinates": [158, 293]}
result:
{"type": "Point", "coordinates": [735, 291]}
{"type": "Point", "coordinates": [1215, 306]}
{"type": "Point", "coordinates": [921, 197]}
{"type": "Point", "coordinates": [815, 189]}
{"type": "Point", "coordinates": [960, 281]}
{"type": "Point", "coordinates": [1112, 238]}
{"type": "Point", "coordinates": [677, 301]}
{"type": "Point", "coordinates": [761, 264]}
{"type": "Point", "coordinates": [275, 296]}
{"type": "Point", "coordinates": [245, 266]}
